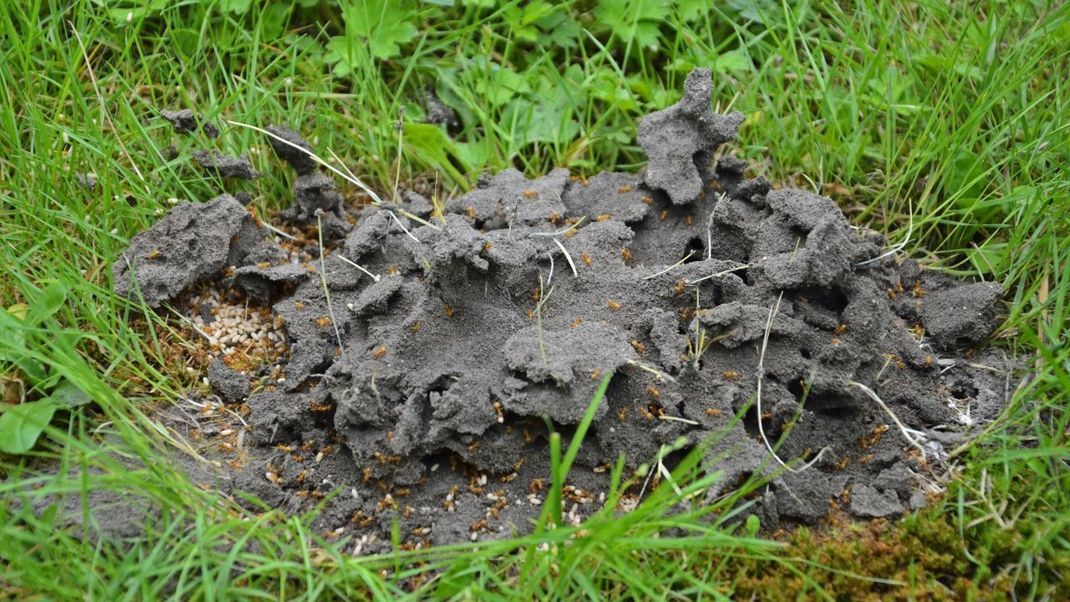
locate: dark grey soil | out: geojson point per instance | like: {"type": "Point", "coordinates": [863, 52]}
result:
{"type": "Point", "coordinates": [191, 244]}
{"type": "Point", "coordinates": [230, 385]}
{"type": "Point", "coordinates": [86, 180]}
{"type": "Point", "coordinates": [185, 122]}
{"type": "Point", "coordinates": [420, 394]}
{"type": "Point", "coordinates": [223, 166]}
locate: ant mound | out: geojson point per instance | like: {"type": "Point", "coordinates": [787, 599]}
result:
{"type": "Point", "coordinates": [432, 352]}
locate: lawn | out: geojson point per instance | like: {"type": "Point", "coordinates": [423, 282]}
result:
{"type": "Point", "coordinates": [944, 125]}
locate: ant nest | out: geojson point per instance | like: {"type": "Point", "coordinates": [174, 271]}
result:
{"type": "Point", "coordinates": [754, 326]}
{"type": "Point", "coordinates": [234, 329]}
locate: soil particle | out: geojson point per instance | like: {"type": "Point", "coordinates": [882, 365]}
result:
{"type": "Point", "coordinates": [807, 497]}
{"type": "Point", "coordinates": [316, 192]}
{"type": "Point", "coordinates": [440, 112]}
{"type": "Point", "coordinates": [318, 202]}
{"type": "Point", "coordinates": [552, 371]}
{"type": "Point", "coordinates": [224, 166]}
{"type": "Point", "coordinates": [667, 339]}
{"type": "Point", "coordinates": [186, 122]}
{"type": "Point", "coordinates": [977, 389]}
{"type": "Point", "coordinates": [802, 209]}
{"type": "Point", "coordinates": [869, 502]}
{"type": "Point", "coordinates": [264, 283]}
{"type": "Point", "coordinates": [376, 297]}
{"type": "Point", "coordinates": [963, 315]}
{"type": "Point", "coordinates": [100, 515]}
{"type": "Point", "coordinates": [743, 323]}
{"type": "Point", "coordinates": [232, 386]}
{"type": "Point", "coordinates": [509, 198]}
{"type": "Point", "coordinates": [86, 180]}
{"type": "Point", "coordinates": [301, 162]}
{"type": "Point", "coordinates": [675, 137]}
{"type": "Point", "coordinates": [416, 204]}
{"type": "Point", "coordinates": [434, 376]}
{"type": "Point", "coordinates": [608, 196]}
{"type": "Point", "coordinates": [192, 243]}
{"type": "Point", "coordinates": [898, 478]}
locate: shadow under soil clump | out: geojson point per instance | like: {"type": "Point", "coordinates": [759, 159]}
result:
{"type": "Point", "coordinates": [427, 349]}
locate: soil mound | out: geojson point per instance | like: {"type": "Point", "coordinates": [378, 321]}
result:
{"type": "Point", "coordinates": [427, 351]}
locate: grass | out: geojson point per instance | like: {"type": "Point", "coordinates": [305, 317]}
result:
{"type": "Point", "coordinates": [944, 124]}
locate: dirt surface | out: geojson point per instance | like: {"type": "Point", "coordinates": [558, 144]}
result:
{"type": "Point", "coordinates": [419, 389]}
{"type": "Point", "coordinates": [216, 163]}
{"type": "Point", "coordinates": [185, 122]}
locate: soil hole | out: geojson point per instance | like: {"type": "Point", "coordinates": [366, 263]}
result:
{"type": "Point", "coordinates": [830, 406]}
{"type": "Point", "coordinates": [697, 248]}
{"type": "Point", "coordinates": [750, 422]}
{"type": "Point", "coordinates": [831, 299]}
{"type": "Point", "coordinates": [964, 391]}
{"type": "Point", "coordinates": [436, 461]}
{"type": "Point", "coordinates": [323, 414]}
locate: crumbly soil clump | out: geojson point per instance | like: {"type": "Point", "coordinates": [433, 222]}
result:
{"type": "Point", "coordinates": [425, 352]}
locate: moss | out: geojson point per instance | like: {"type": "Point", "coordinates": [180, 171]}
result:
{"type": "Point", "coordinates": [922, 557]}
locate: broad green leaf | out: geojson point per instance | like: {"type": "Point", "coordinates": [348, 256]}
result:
{"type": "Point", "coordinates": [523, 20]}
{"type": "Point", "coordinates": [237, 7]}
{"type": "Point", "coordinates": [381, 24]}
{"type": "Point", "coordinates": [446, 88]}
{"type": "Point", "coordinates": [274, 20]}
{"type": "Point", "coordinates": [691, 10]}
{"type": "Point", "coordinates": [36, 372]}
{"type": "Point", "coordinates": [987, 258]}
{"type": "Point", "coordinates": [944, 63]}
{"type": "Point", "coordinates": [184, 41]}
{"type": "Point", "coordinates": [430, 145]}
{"type": "Point", "coordinates": [13, 345]}
{"type": "Point", "coordinates": [501, 84]}
{"type": "Point", "coordinates": [606, 86]}
{"type": "Point", "coordinates": [68, 395]}
{"type": "Point", "coordinates": [652, 91]}
{"type": "Point", "coordinates": [21, 425]}
{"type": "Point", "coordinates": [47, 304]}
{"type": "Point", "coordinates": [19, 310]}
{"type": "Point", "coordinates": [474, 154]}
{"type": "Point", "coordinates": [548, 119]}
{"type": "Point", "coordinates": [965, 177]}
{"type": "Point", "coordinates": [547, 116]}
{"type": "Point", "coordinates": [455, 580]}
{"type": "Point", "coordinates": [840, 106]}
{"type": "Point", "coordinates": [633, 20]}
{"type": "Point", "coordinates": [753, 10]}
{"type": "Point", "coordinates": [735, 61]}
{"type": "Point", "coordinates": [754, 524]}
{"type": "Point", "coordinates": [48, 516]}
{"type": "Point", "coordinates": [305, 45]}
{"type": "Point", "coordinates": [344, 55]}
{"type": "Point", "coordinates": [559, 29]}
